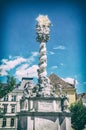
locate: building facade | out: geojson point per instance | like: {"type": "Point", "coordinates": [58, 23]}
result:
{"type": "Point", "coordinates": [60, 85]}
{"type": "Point", "coordinates": [10, 105]}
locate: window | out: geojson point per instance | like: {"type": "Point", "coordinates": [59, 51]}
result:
{"type": "Point", "coordinates": [12, 122]}
{"type": "Point", "coordinates": [4, 122]}
{"type": "Point", "coordinates": [13, 108]}
{"type": "Point", "coordinates": [5, 108]}
{"type": "Point", "coordinates": [13, 98]}
{"type": "Point", "coordinates": [6, 98]}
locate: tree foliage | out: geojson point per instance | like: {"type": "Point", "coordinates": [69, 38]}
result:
{"type": "Point", "coordinates": [78, 118]}
{"type": "Point", "coordinates": [8, 86]}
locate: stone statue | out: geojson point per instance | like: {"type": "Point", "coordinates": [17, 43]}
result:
{"type": "Point", "coordinates": [66, 102]}
{"type": "Point", "coordinates": [28, 89]}
{"type": "Point", "coordinates": [24, 104]}
{"type": "Point", "coordinates": [60, 90]}
{"type": "Point", "coordinates": [66, 105]}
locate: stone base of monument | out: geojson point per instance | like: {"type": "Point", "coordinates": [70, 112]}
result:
{"type": "Point", "coordinates": [43, 114]}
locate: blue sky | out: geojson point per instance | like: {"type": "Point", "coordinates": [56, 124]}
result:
{"type": "Point", "coordinates": [65, 50]}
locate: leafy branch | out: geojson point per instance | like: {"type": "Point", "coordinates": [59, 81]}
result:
{"type": "Point", "coordinates": [8, 86]}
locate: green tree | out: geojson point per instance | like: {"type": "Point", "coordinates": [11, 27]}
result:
{"type": "Point", "coordinates": [8, 86]}
{"type": "Point", "coordinates": [78, 115]}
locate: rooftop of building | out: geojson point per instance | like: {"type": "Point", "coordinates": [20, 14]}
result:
{"type": "Point", "coordinates": [58, 82]}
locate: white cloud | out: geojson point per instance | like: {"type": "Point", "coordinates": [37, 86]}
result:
{"type": "Point", "coordinates": [26, 71]}
{"type": "Point", "coordinates": [35, 53]}
{"type": "Point", "coordinates": [51, 52]}
{"type": "Point", "coordinates": [4, 61]}
{"type": "Point", "coordinates": [60, 47]}
{"type": "Point", "coordinates": [70, 80]}
{"type": "Point", "coordinates": [7, 65]}
{"type": "Point", "coordinates": [61, 64]}
{"type": "Point", "coordinates": [54, 67]}
{"type": "Point", "coordinates": [3, 72]}
{"type": "Point", "coordinates": [32, 57]}
{"type": "Point", "coordinates": [10, 57]}
{"type": "Point", "coordinates": [23, 66]}
{"type": "Point", "coordinates": [12, 62]}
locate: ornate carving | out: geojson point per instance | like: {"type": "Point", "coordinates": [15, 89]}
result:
{"type": "Point", "coordinates": [42, 28]}
{"type": "Point", "coordinates": [28, 89]}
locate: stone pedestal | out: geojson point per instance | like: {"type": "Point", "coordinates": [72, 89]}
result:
{"type": "Point", "coordinates": [43, 113]}
{"type": "Point", "coordinates": [44, 104]}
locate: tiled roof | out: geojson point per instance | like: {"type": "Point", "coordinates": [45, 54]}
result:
{"type": "Point", "coordinates": [57, 82]}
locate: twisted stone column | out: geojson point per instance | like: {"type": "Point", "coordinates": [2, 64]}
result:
{"type": "Point", "coordinates": [43, 60]}
{"type": "Point", "coordinates": [43, 30]}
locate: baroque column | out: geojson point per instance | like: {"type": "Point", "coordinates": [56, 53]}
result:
{"type": "Point", "coordinates": [43, 31]}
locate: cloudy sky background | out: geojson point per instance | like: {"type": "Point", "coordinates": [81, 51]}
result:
{"type": "Point", "coordinates": [65, 50]}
